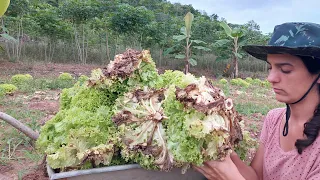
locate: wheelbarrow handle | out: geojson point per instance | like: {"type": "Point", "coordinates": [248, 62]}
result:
{"type": "Point", "coordinates": [20, 126]}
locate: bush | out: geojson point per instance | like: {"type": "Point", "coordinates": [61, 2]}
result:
{"type": "Point", "coordinates": [7, 88]}
{"type": "Point", "coordinates": [243, 83]}
{"type": "Point", "coordinates": [82, 79]}
{"type": "Point", "coordinates": [266, 84]}
{"type": "Point", "coordinates": [223, 81]}
{"type": "Point", "coordinates": [21, 78]}
{"type": "Point", "coordinates": [249, 80]}
{"type": "Point", "coordinates": [239, 82]}
{"type": "Point", "coordinates": [29, 76]}
{"type": "Point", "coordinates": [256, 81]}
{"type": "Point", "coordinates": [65, 77]}
{"type": "Point", "coordinates": [234, 82]}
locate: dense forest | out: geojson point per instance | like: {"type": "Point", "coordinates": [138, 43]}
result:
{"type": "Point", "coordinates": [94, 31]}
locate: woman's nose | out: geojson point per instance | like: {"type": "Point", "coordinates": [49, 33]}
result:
{"type": "Point", "coordinates": [273, 77]}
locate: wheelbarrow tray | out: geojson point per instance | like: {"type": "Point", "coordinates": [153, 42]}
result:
{"type": "Point", "coordinates": [124, 172]}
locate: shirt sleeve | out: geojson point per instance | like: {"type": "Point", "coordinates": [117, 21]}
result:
{"type": "Point", "coordinates": [265, 129]}
{"type": "Point", "coordinates": [268, 124]}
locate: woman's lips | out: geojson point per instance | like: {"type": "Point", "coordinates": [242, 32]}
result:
{"type": "Point", "coordinates": [276, 90]}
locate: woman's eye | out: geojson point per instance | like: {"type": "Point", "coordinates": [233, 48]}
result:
{"type": "Point", "coordinates": [285, 71]}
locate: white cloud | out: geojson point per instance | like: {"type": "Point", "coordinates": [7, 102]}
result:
{"type": "Point", "coordinates": [267, 13]}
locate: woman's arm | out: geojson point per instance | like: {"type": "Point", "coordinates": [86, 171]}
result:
{"type": "Point", "coordinates": [255, 170]}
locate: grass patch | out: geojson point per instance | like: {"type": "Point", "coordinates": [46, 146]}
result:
{"type": "Point", "coordinates": [21, 173]}
{"type": "Point", "coordinates": [249, 108]}
{"type": "Point", "coordinates": [33, 85]}
{"type": "Point", "coordinates": [33, 156]}
{"type": "Point", "coordinates": [253, 127]}
{"type": "Point", "coordinates": [11, 138]}
{"type": "Point", "coordinates": [45, 84]}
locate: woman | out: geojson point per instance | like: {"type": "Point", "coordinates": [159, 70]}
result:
{"type": "Point", "coordinates": [289, 142]}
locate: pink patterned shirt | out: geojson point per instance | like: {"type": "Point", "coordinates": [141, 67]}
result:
{"type": "Point", "coordinates": [280, 165]}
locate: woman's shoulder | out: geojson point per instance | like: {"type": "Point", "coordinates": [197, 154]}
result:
{"type": "Point", "coordinates": [273, 116]}
{"type": "Point", "coordinates": [269, 127]}
{"type": "Point", "coordinates": [275, 113]}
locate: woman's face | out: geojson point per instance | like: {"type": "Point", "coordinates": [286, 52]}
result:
{"type": "Point", "coordinates": [289, 77]}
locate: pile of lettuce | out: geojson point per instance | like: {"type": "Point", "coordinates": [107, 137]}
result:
{"type": "Point", "coordinates": [82, 134]}
{"type": "Point", "coordinates": [128, 113]}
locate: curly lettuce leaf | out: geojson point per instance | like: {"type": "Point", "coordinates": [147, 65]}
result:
{"type": "Point", "coordinates": [74, 132]}
{"type": "Point", "coordinates": [177, 78]}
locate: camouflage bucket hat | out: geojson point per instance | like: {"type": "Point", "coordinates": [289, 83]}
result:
{"type": "Point", "coordinates": [295, 38]}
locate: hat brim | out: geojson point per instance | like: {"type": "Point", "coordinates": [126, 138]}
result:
{"type": "Point", "coordinates": [261, 52]}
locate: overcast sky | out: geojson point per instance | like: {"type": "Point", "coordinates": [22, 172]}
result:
{"type": "Point", "coordinates": [267, 13]}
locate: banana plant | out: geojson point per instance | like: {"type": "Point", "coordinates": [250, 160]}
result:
{"type": "Point", "coordinates": [234, 43]}
{"type": "Point", "coordinates": [183, 50]}
{"type": "Point", "coordinates": [4, 35]}
{"type": "Point", "coordinates": [4, 4]}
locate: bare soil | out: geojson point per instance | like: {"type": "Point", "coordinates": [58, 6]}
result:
{"type": "Point", "coordinates": [38, 174]}
{"type": "Point", "coordinates": [44, 70]}
{"type": "Point", "coordinates": [11, 169]}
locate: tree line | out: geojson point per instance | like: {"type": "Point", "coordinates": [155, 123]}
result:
{"type": "Point", "coordinates": [85, 31]}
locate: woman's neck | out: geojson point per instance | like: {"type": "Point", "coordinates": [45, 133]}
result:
{"type": "Point", "coordinates": [304, 110]}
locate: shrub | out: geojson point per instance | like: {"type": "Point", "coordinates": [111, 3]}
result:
{"type": "Point", "coordinates": [21, 78]}
{"type": "Point", "coordinates": [249, 80]}
{"type": "Point", "coordinates": [65, 77]}
{"type": "Point", "coordinates": [7, 88]}
{"type": "Point", "coordinates": [29, 76]}
{"type": "Point", "coordinates": [223, 81]}
{"type": "Point", "coordinates": [234, 81]}
{"type": "Point", "coordinates": [266, 84]}
{"type": "Point", "coordinates": [239, 82]}
{"type": "Point", "coordinates": [256, 81]}
{"type": "Point", "coordinates": [243, 83]}
{"type": "Point", "coordinates": [82, 79]}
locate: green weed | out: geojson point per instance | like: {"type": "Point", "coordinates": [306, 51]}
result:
{"type": "Point", "coordinates": [33, 156]}
{"type": "Point", "coordinates": [45, 84]}
{"type": "Point", "coordinates": [249, 108]}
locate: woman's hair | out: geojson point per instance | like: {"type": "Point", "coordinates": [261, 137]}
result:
{"type": "Point", "coordinates": [311, 128]}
